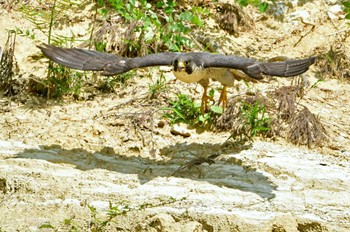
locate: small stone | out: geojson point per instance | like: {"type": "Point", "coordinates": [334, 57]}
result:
{"type": "Point", "coordinates": [178, 130]}
{"type": "Point", "coordinates": [161, 124]}
{"type": "Point", "coordinates": [335, 12]}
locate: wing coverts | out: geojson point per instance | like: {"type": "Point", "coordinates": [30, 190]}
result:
{"type": "Point", "coordinates": [111, 64]}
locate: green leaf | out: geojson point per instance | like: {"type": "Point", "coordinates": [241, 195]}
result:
{"type": "Point", "coordinates": [263, 7]}
{"type": "Point", "coordinates": [171, 3]}
{"type": "Point", "coordinates": [168, 10]}
{"type": "Point", "coordinates": [149, 34]}
{"type": "Point", "coordinates": [211, 92]}
{"type": "Point", "coordinates": [197, 104]}
{"type": "Point", "coordinates": [347, 16]}
{"type": "Point", "coordinates": [186, 16]}
{"type": "Point", "coordinates": [174, 47]}
{"type": "Point", "coordinates": [217, 109]}
{"type": "Point", "coordinates": [100, 3]}
{"type": "Point", "coordinates": [132, 2]}
{"type": "Point", "coordinates": [201, 118]}
{"type": "Point", "coordinates": [178, 113]}
{"type": "Point", "coordinates": [102, 12]}
{"type": "Point", "coordinates": [148, 6]}
{"type": "Point", "coordinates": [262, 128]}
{"type": "Point", "coordinates": [197, 21]}
{"type": "Point", "coordinates": [160, 4]}
{"type": "Point", "coordinates": [346, 4]}
{"type": "Point", "coordinates": [243, 3]}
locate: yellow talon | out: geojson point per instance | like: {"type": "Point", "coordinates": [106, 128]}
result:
{"type": "Point", "coordinates": [205, 98]}
{"type": "Point", "coordinates": [223, 98]}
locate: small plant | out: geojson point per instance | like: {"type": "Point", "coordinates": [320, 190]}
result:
{"type": "Point", "coordinates": [182, 110]}
{"type": "Point", "coordinates": [108, 219]}
{"type": "Point", "coordinates": [155, 26]}
{"type": "Point", "coordinates": [63, 81]}
{"type": "Point", "coordinates": [307, 129]}
{"type": "Point", "coordinates": [111, 82]}
{"type": "Point", "coordinates": [247, 116]}
{"type": "Point", "coordinates": [47, 226]}
{"type": "Point", "coordinates": [254, 115]}
{"type": "Point", "coordinates": [347, 9]}
{"type": "Point", "coordinates": [60, 80]}
{"type": "Point", "coordinates": [100, 46]}
{"type": "Point", "coordinates": [7, 62]}
{"type": "Point", "coordinates": [157, 87]}
{"type": "Point", "coordinates": [186, 111]}
{"type": "Point", "coordinates": [334, 63]}
{"type": "Point", "coordinates": [119, 209]}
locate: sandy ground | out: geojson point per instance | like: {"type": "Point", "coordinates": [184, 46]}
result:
{"type": "Point", "coordinates": [58, 158]}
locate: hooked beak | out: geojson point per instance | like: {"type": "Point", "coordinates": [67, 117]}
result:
{"type": "Point", "coordinates": [180, 66]}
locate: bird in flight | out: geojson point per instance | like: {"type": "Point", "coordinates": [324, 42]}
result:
{"type": "Point", "coordinates": [190, 67]}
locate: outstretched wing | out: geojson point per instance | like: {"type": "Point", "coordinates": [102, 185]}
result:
{"type": "Point", "coordinates": [286, 68]}
{"type": "Point", "coordinates": [255, 68]}
{"type": "Point", "coordinates": [109, 64]}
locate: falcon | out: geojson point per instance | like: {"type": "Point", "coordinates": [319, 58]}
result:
{"type": "Point", "coordinates": [190, 67]}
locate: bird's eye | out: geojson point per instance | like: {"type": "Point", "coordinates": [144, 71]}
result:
{"type": "Point", "coordinates": [187, 62]}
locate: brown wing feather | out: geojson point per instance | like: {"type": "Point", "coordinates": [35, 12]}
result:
{"type": "Point", "coordinates": [286, 68]}
{"type": "Point", "coordinates": [256, 69]}
{"type": "Point", "coordinates": [109, 64]}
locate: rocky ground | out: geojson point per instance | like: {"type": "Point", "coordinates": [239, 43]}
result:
{"type": "Point", "coordinates": [60, 160]}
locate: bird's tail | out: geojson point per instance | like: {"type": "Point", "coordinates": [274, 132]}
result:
{"type": "Point", "coordinates": [83, 59]}
{"type": "Point", "coordinates": [286, 68]}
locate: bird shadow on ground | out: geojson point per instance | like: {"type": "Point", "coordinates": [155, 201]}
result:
{"type": "Point", "coordinates": [212, 163]}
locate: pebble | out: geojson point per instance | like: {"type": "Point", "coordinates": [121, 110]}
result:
{"type": "Point", "coordinates": [179, 130]}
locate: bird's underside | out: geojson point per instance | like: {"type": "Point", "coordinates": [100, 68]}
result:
{"type": "Point", "coordinates": [189, 67]}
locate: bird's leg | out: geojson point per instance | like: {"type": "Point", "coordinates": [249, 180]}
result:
{"type": "Point", "coordinates": [223, 97]}
{"type": "Point", "coordinates": [205, 98]}
{"type": "Point", "coordinates": [205, 83]}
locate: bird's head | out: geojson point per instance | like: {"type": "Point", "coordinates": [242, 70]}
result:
{"type": "Point", "coordinates": [185, 62]}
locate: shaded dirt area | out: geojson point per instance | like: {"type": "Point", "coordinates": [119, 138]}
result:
{"type": "Point", "coordinates": [59, 158]}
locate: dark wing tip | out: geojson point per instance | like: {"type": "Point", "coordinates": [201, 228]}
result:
{"type": "Point", "coordinates": [43, 46]}
{"type": "Point", "coordinates": [62, 56]}
{"type": "Point", "coordinates": [286, 68]}
{"type": "Point", "coordinates": [296, 67]}
{"type": "Point", "coordinates": [45, 49]}
{"type": "Point", "coordinates": [84, 59]}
